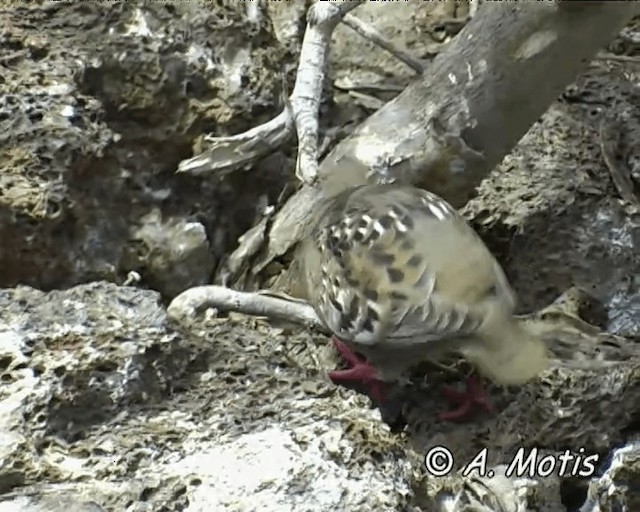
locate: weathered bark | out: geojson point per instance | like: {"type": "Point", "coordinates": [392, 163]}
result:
{"type": "Point", "coordinates": [485, 90]}
{"type": "Point", "coordinates": [446, 131]}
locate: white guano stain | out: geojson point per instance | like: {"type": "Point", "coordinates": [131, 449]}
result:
{"type": "Point", "coordinates": [536, 43]}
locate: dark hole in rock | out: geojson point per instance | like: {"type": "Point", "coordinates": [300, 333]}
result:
{"type": "Point", "coordinates": [5, 361]}
{"type": "Point", "coordinates": [106, 367]}
{"type": "Point", "coordinates": [180, 491]}
{"type": "Point", "coordinates": [573, 493]}
{"type": "Point", "coordinates": [38, 53]}
{"type": "Point", "coordinates": [147, 493]}
{"type": "Point", "coordinates": [11, 479]}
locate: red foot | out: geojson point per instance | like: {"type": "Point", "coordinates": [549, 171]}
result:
{"type": "Point", "coordinates": [361, 370]}
{"type": "Point", "coordinates": [474, 395]}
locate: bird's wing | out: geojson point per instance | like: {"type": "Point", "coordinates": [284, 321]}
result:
{"type": "Point", "coordinates": [400, 266]}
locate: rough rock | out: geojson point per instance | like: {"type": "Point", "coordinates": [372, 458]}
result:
{"type": "Point", "coordinates": [618, 486]}
{"type": "Point", "coordinates": [105, 405]}
{"type": "Point", "coordinates": [98, 104]}
{"type": "Point", "coordinates": [551, 209]}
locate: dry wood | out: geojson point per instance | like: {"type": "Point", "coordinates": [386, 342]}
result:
{"type": "Point", "coordinates": [448, 129]}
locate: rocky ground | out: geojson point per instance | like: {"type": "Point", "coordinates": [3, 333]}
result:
{"type": "Point", "coordinates": [106, 404]}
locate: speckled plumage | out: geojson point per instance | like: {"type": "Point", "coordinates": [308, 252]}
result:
{"type": "Point", "coordinates": [399, 275]}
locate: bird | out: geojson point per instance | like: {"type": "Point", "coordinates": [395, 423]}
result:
{"type": "Point", "coordinates": [400, 277]}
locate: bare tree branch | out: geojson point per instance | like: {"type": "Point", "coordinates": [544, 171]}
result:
{"type": "Point", "coordinates": [433, 134]}
{"type": "Point", "coordinates": [190, 303]}
{"type": "Point", "coordinates": [613, 153]}
{"type": "Point", "coordinates": [447, 130]}
{"type": "Point", "coordinates": [374, 36]}
{"type": "Point", "coordinates": [226, 154]}
{"type": "Point", "coordinates": [618, 58]}
{"type": "Point", "coordinates": [322, 19]}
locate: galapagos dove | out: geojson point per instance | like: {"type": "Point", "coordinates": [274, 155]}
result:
{"type": "Point", "coordinates": [400, 277]}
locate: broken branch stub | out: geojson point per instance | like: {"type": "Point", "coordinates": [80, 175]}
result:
{"type": "Point", "coordinates": [227, 154]}
{"type": "Point", "coordinates": [190, 303]}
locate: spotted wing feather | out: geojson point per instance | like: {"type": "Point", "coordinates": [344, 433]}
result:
{"type": "Point", "coordinates": [385, 253]}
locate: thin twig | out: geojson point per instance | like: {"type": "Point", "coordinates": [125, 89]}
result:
{"type": "Point", "coordinates": [618, 58]}
{"type": "Point", "coordinates": [375, 37]}
{"type": "Point", "coordinates": [348, 85]}
{"type": "Point", "coordinates": [610, 144]}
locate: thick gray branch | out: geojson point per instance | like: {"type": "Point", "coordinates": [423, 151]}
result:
{"type": "Point", "coordinates": [484, 91]}
{"type": "Point", "coordinates": [447, 130]}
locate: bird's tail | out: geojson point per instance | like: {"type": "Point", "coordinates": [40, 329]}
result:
{"type": "Point", "coordinates": [508, 355]}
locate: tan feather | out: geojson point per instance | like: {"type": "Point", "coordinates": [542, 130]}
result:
{"type": "Point", "coordinates": [399, 274]}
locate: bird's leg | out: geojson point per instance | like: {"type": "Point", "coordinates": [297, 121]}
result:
{"type": "Point", "coordinates": [361, 370]}
{"type": "Point", "coordinates": [474, 395]}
